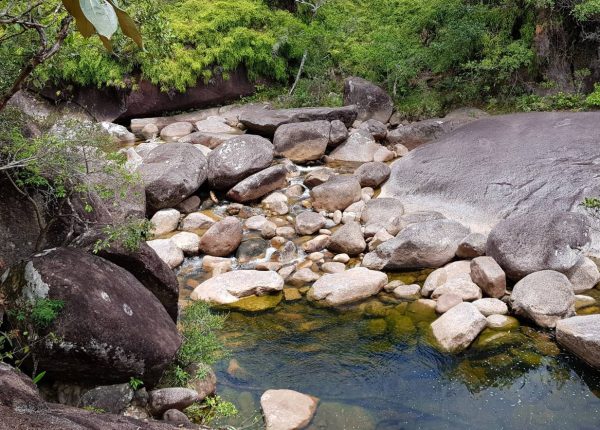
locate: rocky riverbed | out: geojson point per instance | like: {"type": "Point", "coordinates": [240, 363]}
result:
{"type": "Point", "coordinates": [378, 274]}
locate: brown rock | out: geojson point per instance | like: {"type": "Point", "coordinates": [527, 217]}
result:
{"type": "Point", "coordinates": [223, 238]}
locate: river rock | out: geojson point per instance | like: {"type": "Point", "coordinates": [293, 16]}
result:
{"type": "Point", "coordinates": [302, 142]}
{"type": "Point", "coordinates": [266, 121]}
{"type": "Point", "coordinates": [259, 184]}
{"type": "Point", "coordinates": [109, 398]}
{"type": "Point", "coordinates": [303, 277]}
{"type": "Point", "coordinates": [232, 286]}
{"type": "Point", "coordinates": [167, 251]}
{"type": "Point", "coordinates": [372, 174]}
{"type": "Point", "coordinates": [317, 244]}
{"type": "Point", "coordinates": [349, 286]}
{"type": "Point", "coordinates": [287, 409]}
{"type": "Point", "coordinates": [189, 205]}
{"type": "Point", "coordinates": [423, 245]}
{"type": "Point", "coordinates": [447, 301]}
{"type": "Point", "coordinates": [416, 217]}
{"type": "Point", "coordinates": [462, 286]}
{"type": "Point", "coordinates": [580, 335]}
{"type": "Point", "coordinates": [377, 129]}
{"type": "Point", "coordinates": [514, 168]}
{"type": "Point", "coordinates": [309, 222]}
{"type": "Point", "coordinates": [197, 221]}
{"type": "Point", "coordinates": [318, 176]}
{"type": "Point", "coordinates": [110, 327]}
{"type": "Point", "coordinates": [223, 238]}
{"type": "Point", "coordinates": [238, 158]}
{"type": "Point", "coordinates": [584, 275]}
{"type": "Point", "coordinates": [333, 267]}
{"type": "Point", "coordinates": [381, 213]}
{"type": "Point", "coordinates": [371, 101]}
{"type": "Point", "coordinates": [490, 306]}
{"type": "Point", "coordinates": [456, 329]}
{"type": "Point", "coordinates": [171, 173]}
{"type": "Point", "coordinates": [163, 399]}
{"type": "Point", "coordinates": [529, 243]}
{"type": "Point", "coordinates": [149, 131]}
{"type": "Point", "coordinates": [216, 125]}
{"type": "Point", "coordinates": [348, 239]}
{"type": "Point", "coordinates": [544, 297]}
{"type": "Point", "coordinates": [502, 322]}
{"type": "Point", "coordinates": [189, 243]}
{"type": "Point", "coordinates": [338, 133]}
{"type": "Point", "coordinates": [489, 276]}
{"type": "Point", "coordinates": [407, 292]}
{"type": "Point", "coordinates": [337, 193]}
{"type": "Point", "coordinates": [172, 132]}
{"type": "Point", "coordinates": [472, 246]}
{"type": "Point", "coordinates": [383, 154]}
{"type": "Point", "coordinates": [165, 221]}
{"type": "Point", "coordinates": [118, 132]}
{"type": "Point", "coordinates": [360, 147]}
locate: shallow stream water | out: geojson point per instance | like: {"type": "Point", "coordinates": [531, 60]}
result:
{"type": "Point", "coordinates": [373, 367]}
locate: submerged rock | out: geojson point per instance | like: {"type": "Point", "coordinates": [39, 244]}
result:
{"type": "Point", "coordinates": [580, 335]}
{"type": "Point", "coordinates": [232, 286]}
{"type": "Point", "coordinates": [287, 409]}
{"type": "Point", "coordinates": [458, 328]}
{"type": "Point", "coordinates": [349, 286]}
{"type": "Point", "coordinates": [544, 297]}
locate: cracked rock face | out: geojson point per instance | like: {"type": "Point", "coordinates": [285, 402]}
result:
{"type": "Point", "coordinates": [110, 328]}
{"type": "Point", "coordinates": [503, 165]}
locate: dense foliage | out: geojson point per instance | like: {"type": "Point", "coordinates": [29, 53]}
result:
{"type": "Point", "coordinates": [429, 54]}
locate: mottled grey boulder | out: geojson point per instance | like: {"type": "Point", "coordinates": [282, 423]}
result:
{"type": "Point", "coordinates": [372, 174]}
{"type": "Point", "coordinates": [371, 100]}
{"type": "Point", "coordinates": [337, 193]}
{"type": "Point", "coordinates": [163, 399]}
{"type": "Point", "coordinates": [259, 184]}
{"type": "Point", "coordinates": [472, 246]}
{"type": "Point", "coordinates": [348, 239]}
{"type": "Point", "coordinates": [338, 132]}
{"type": "Point", "coordinates": [302, 142]}
{"type": "Point", "coordinates": [532, 242]}
{"type": "Point", "coordinates": [171, 173]}
{"type": "Point", "coordinates": [382, 212]}
{"type": "Point", "coordinates": [377, 129]}
{"type": "Point", "coordinates": [110, 328]}
{"type": "Point", "coordinates": [109, 398]}
{"type": "Point", "coordinates": [584, 275]}
{"type": "Point", "coordinates": [544, 297]}
{"type": "Point", "coordinates": [237, 159]}
{"type": "Point", "coordinates": [266, 121]}
{"type": "Point", "coordinates": [502, 165]}
{"type": "Point", "coordinates": [360, 147]}
{"type": "Point", "coordinates": [489, 276]}
{"type": "Point", "coordinates": [580, 335]}
{"type": "Point", "coordinates": [424, 245]}
{"type": "Point", "coordinates": [309, 222]}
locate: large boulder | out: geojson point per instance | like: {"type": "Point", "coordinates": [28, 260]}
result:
{"type": "Point", "coordinates": [347, 287]}
{"type": "Point", "coordinates": [171, 173]}
{"type": "Point", "coordinates": [237, 159]}
{"type": "Point", "coordinates": [337, 193]}
{"type": "Point", "coordinates": [423, 245]}
{"type": "Point", "coordinates": [528, 243]}
{"type": "Point", "coordinates": [143, 263]}
{"type": "Point", "coordinates": [259, 185]}
{"type": "Point", "coordinates": [266, 121]}
{"type": "Point", "coordinates": [544, 297]}
{"type": "Point", "coordinates": [302, 142]}
{"type": "Point", "coordinates": [458, 327]}
{"type": "Point", "coordinates": [110, 327]}
{"type": "Point", "coordinates": [230, 287]}
{"type": "Point", "coordinates": [502, 165]}
{"type": "Point", "coordinates": [287, 409]}
{"type": "Point", "coordinates": [580, 335]}
{"type": "Point", "coordinates": [371, 101]}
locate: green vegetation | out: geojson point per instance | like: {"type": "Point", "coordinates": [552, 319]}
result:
{"type": "Point", "coordinates": [429, 54]}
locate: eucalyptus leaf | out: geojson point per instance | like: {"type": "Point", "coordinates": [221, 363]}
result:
{"type": "Point", "coordinates": [102, 16]}
{"type": "Point", "coordinates": [128, 25]}
{"type": "Point", "coordinates": [84, 26]}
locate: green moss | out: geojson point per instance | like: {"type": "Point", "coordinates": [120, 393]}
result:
{"type": "Point", "coordinates": [256, 303]}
